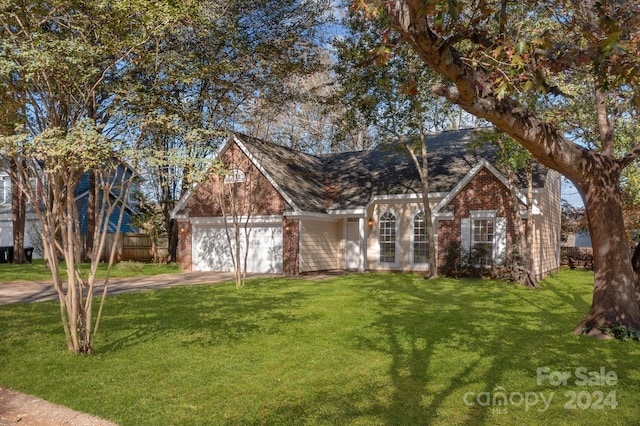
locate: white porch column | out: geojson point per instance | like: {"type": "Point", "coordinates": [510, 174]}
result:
{"type": "Point", "coordinates": [362, 264]}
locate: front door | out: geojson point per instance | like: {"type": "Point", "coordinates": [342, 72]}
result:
{"type": "Point", "coordinates": [352, 245]}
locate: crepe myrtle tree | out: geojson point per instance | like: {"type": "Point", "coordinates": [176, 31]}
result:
{"type": "Point", "coordinates": [53, 164]}
{"type": "Point", "coordinates": [238, 197]}
{"type": "Point", "coordinates": [559, 77]}
{"type": "Point", "coordinates": [66, 101]}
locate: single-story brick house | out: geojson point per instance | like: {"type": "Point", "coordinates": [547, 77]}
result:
{"type": "Point", "coordinates": [360, 210]}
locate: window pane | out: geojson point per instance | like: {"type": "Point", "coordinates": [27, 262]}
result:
{"type": "Point", "coordinates": [483, 240]}
{"type": "Point", "coordinates": [420, 243]}
{"type": "Point", "coordinates": [5, 190]}
{"type": "Point", "coordinates": [235, 176]}
{"type": "Point", "coordinates": [388, 238]}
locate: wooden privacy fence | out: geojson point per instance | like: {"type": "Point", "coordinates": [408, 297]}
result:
{"type": "Point", "coordinates": [576, 257]}
{"type": "Point", "coordinates": [135, 247]}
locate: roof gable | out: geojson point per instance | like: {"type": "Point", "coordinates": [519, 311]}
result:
{"type": "Point", "coordinates": [350, 180]}
{"type": "Point", "coordinates": [291, 173]}
{"type": "Point", "coordinates": [482, 164]}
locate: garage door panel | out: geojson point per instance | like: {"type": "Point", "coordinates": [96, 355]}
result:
{"type": "Point", "coordinates": [211, 250]}
{"type": "Point", "coordinates": [265, 250]}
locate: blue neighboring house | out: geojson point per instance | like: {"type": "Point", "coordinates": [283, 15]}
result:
{"type": "Point", "coordinates": [583, 238]}
{"type": "Point", "coordinates": [32, 225]}
{"type": "Point", "coordinates": [82, 199]}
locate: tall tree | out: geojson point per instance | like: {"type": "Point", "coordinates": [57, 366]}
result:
{"type": "Point", "coordinates": [11, 115]}
{"type": "Point", "coordinates": [18, 214]}
{"type": "Point", "coordinates": [493, 54]}
{"type": "Point", "coordinates": [305, 120]}
{"type": "Point", "coordinates": [61, 62]}
{"type": "Point", "coordinates": [208, 75]}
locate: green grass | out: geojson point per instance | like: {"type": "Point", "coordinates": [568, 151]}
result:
{"type": "Point", "coordinates": [37, 271]}
{"type": "Point", "coordinates": [370, 349]}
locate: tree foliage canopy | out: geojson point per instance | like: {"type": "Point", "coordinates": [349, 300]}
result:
{"type": "Point", "coordinates": [84, 85]}
{"type": "Point", "coordinates": [561, 78]}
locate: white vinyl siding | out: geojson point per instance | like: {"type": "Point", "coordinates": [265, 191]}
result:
{"type": "Point", "coordinates": [6, 233]}
{"type": "Point", "coordinates": [319, 246]}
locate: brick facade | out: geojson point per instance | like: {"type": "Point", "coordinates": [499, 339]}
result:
{"type": "Point", "coordinates": [484, 192]}
{"type": "Point", "coordinates": [183, 252]}
{"type": "Point", "coordinates": [291, 247]}
{"type": "Point", "coordinates": [255, 196]}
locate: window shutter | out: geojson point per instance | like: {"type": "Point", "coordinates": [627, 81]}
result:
{"type": "Point", "coordinates": [500, 243]}
{"type": "Point", "coordinates": [465, 233]}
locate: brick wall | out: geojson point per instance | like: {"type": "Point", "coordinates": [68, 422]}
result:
{"type": "Point", "coordinates": [183, 252]}
{"type": "Point", "coordinates": [291, 247]}
{"type": "Point", "coordinates": [483, 192]}
{"type": "Point", "coordinates": [255, 196]}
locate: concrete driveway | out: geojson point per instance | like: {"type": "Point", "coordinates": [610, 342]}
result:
{"type": "Point", "coordinates": [34, 291]}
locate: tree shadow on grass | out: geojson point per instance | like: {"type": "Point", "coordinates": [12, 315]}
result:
{"type": "Point", "coordinates": [435, 341]}
{"type": "Point", "coordinates": [448, 345]}
{"type": "Point", "coordinates": [198, 315]}
{"type": "Point", "coordinates": [39, 318]}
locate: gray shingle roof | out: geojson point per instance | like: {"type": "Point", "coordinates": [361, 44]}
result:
{"type": "Point", "coordinates": [345, 181]}
{"type": "Point", "coordinates": [298, 174]}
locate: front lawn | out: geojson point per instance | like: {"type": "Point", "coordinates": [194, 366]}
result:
{"type": "Point", "coordinates": [386, 349]}
{"type": "Point", "coordinates": [37, 271]}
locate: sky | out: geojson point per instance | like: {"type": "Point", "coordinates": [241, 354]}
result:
{"type": "Point", "coordinates": [571, 194]}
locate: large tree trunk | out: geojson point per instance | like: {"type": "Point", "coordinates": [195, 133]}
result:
{"type": "Point", "coordinates": [595, 174]}
{"type": "Point", "coordinates": [614, 297]}
{"type": "Point", "coordinates": [18, 218]}
{"type": "Point", "coordinates": [635, 264]}
{"type": "Point", "coordinates": [172, 230]}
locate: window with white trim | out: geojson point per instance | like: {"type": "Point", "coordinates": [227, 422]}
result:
{"type": "Point", "coordinates": [5, 190]}
{"type": "Point", "coordinates": [487, 233]}
{"type": "Point", "coordinates": [482, 237]}
{"type": "Point", "coordinates": [388, 235]}
{"type": "Point", "coordinates": [420, 241]}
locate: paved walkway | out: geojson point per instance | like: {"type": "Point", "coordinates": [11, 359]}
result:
{"type": "Point", "coordinates": [26, 410]}
{"type": "Point", "coordinates": [20, 409]}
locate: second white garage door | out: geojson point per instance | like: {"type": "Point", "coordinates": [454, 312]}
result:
{"type": "Point", "coordinates": [211, 251]}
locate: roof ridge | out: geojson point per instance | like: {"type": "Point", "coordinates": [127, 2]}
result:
{"type": "Point", "coordinates": [245, 137]}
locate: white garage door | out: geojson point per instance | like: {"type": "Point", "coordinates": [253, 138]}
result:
{"type": "Point", "coordinates": [211, 252]}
